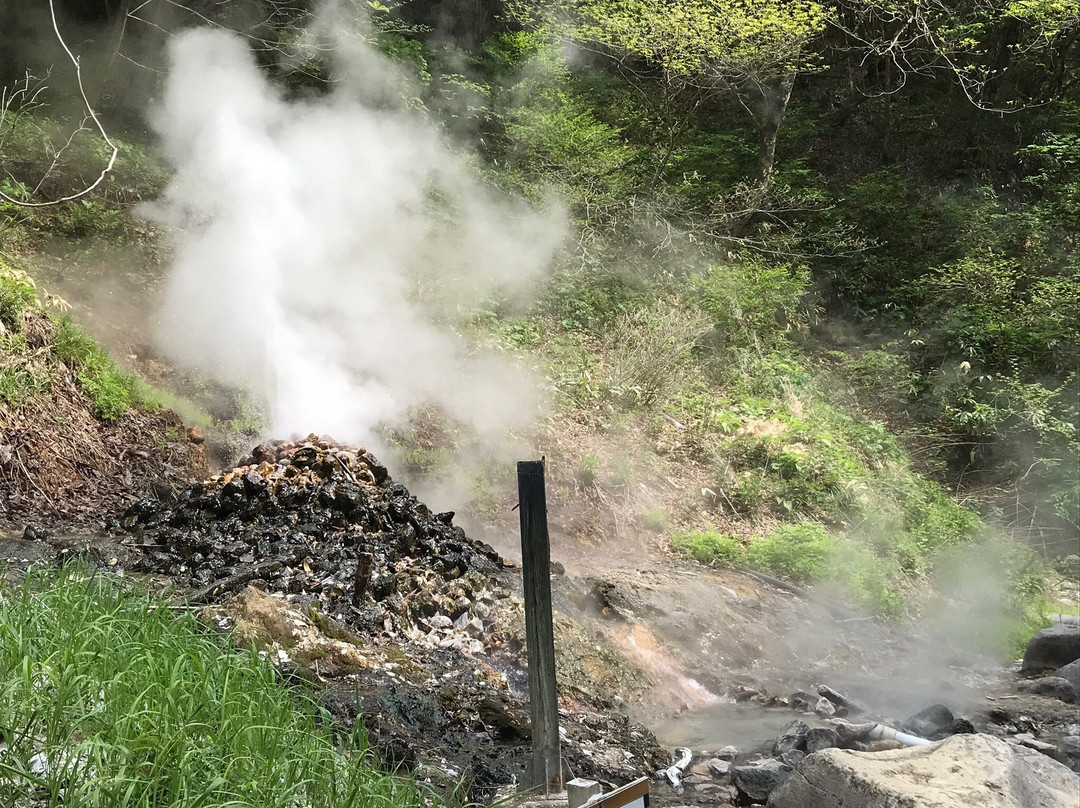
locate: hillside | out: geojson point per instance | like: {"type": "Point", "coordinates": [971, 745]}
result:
{"type": "Point", "coordinates": [786, 294]}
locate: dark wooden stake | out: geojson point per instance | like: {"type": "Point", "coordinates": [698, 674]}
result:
{"type": "Point", "coordinates": [546, 770]}
{"type": "Point", "coordinates": [364, 563]}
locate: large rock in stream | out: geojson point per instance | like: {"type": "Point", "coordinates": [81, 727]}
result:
{"type": "Point", "coordinates": [1052, 648]}
{"type": "Point", "coordinates": [964, 771]}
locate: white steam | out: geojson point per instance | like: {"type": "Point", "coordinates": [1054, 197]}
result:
{"type": "Point", "coordinates": [306, 229]}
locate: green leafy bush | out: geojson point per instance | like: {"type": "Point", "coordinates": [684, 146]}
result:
{"type": "Point", "coordinates": [754, 305]}
{"type": "Point", "coordinates": [709, 547]}
{"type": "Point", "coordinates": [587, 472]}
{"type": "Point", "coordinates": [798, 552]}
{"type": "Point", "coordinates": [655, 519]}
{"type": "Point", "coordinates": [17, 293]}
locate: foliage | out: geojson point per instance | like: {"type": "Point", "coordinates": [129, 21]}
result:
{"type": "Point", "coordinates": [649, 352]}
{"type": "Point", "coordinates": [587, 472]}
{"type": "Point", "coordinates": [133, 705]}
{"type": "Point", "coordinates": [17, 292]}
{"type": "Point", "coordinates": [807, 554]}
{"type": "Point", "coordinates": [709, 547]}
{"type": "Point", "coordinates": [754, 304]}
{"type": "Point", "coordinates": [798, 552]}
{"type": "Point", "coordinates": [655, 519]}
{"type": "Point", "coordinates": [709, 39]}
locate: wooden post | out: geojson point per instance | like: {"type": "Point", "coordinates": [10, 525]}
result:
{"type": "Point", "coordinates": [546, 769]}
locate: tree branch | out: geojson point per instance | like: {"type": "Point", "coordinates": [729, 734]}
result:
{"type": "Point", "coordinates": [92, 115]}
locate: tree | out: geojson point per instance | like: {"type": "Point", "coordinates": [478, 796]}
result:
{"type": "Point", "coordinates": [1005, 54]}
{"type": "Point", "coordinates": [25, 97]}
{"type": "Point", "coordinates": [751, 49]}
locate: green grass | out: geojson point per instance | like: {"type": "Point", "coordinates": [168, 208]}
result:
{"type": "Point", "coordinates": [135, 706]}
{"type": "Point", "coordinates": [19, 384]}
{"type": "Point", "coordinates": [709, 547]}
{"type": "Point", "coordinates": [110, 388]}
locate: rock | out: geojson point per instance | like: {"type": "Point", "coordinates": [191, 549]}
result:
{"type": "Point", "coordinates": [34, 532]}
{"type": "Point", "coordinates": [196, 435]}
{"type": "Point", "coordinates": [728, 753]}
{"type": "Point", "coordinates": [824, 708]}
{"type": "Point", "coordinates": [792, 758]}
{"type": "Point", "coordinates": [964, 770]}
{"type": "Point", "coordinates": [1052, 648]}
{"type": "Point", "coordinates": [819, 738]}
{"type": "Point", "coordinates": [1053, 686]}
{"type": "Point", "coordinates": [718, 768]}
{"type": "Point", "coordinates": [792, 736]}
{"type": "Point", "coordinates": [935, 719]}
{"type": "Point", "coordinates": [1071, 674]}
{"type": "Point", "coordinates": [757, 780]}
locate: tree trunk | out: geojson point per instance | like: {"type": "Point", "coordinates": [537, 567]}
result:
{"type": "Point", "coordinates": [771, 102]}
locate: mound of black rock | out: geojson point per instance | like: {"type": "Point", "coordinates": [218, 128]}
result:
{"type": "Point", "coordinates": [317, 521]}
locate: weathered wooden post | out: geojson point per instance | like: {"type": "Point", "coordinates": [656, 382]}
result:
{"type": "Point", "coordinates": [546, 769]}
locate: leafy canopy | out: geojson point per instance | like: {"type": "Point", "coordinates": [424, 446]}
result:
{"type": "Point", "coordinates": [725, 40]}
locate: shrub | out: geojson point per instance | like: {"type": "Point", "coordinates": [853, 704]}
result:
{"type": "Point", "coordinates": [86, 217]}
{"type": "Point", "coordinates": [655, 519]}
{"type": "Point", "coordinates": [864, 577]}
{"type": "Point", "coordinates": [588, 470]}
{"type": "Point", "coordinates": [798, 552]}
{"type": "Point", "coordinates": [649, 352]}
{"type": "Point", "coordinates": [709, 547]}
{"type": "Point", "coordinates": [17, 292]}
{"type": "Point", "coordinates": [753, 304]}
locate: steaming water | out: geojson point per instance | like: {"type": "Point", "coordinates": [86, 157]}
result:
{"type": "Point", "coordinates": [747, 726]}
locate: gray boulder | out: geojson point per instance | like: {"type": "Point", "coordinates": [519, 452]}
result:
{"type": "Point", "coordinates": [964, 771]}
{"type": "Point", "coordinates": [791, 736]}
{"type": "Point", "coordinates": [1052, 648]}
{"type": "Point", "coordinates": [757, 780]}
{"type": "Point", "coordinates": [820, 738]}
{"type": "Point", "coordinates": [1053, 686]}
{"type": "Point", "coordinates": [1071, 674]}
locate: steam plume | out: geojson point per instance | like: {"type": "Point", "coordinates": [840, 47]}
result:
{"type": "Point", "coordinates": [305, 230]}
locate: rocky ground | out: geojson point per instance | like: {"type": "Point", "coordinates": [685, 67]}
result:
{"type": "Point", "coordinates": [312, 552]}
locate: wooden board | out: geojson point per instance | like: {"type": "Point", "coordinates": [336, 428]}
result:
{"type": "Point", "coordinates": [632, 795]}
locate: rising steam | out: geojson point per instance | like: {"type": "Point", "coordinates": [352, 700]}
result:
{"type": "Point", "coordinates": [304, 232]}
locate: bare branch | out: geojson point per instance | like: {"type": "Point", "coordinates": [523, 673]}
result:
{"type": "Point", "coordinates": [91, 114]}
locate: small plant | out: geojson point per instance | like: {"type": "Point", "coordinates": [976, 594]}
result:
{"type": "Point", "coordinates": [19, 383]}
{"type": "Point", "coordinates": [86, 217]}
{"type": "Point", "coordinates": [655, 519]}
{"type": "Point", "coordinates": [17, 293]}
{"type": "Point", "coordinates": [588, 471]}
{"type": "Point", "coordinates": [709, 547]}
{"type": "Point", "coordinates": [798, 552]}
